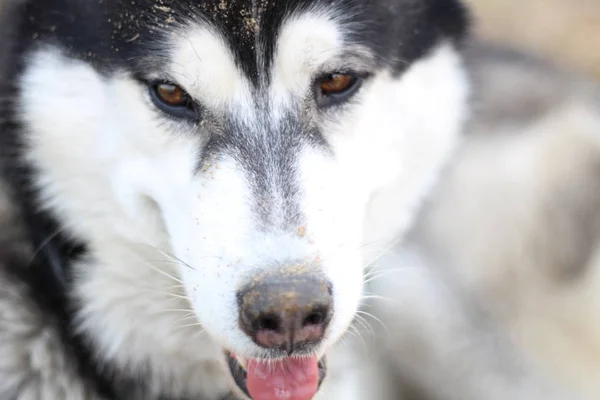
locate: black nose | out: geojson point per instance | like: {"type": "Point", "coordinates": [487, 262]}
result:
{"type": "Point", "coordinates": [288, 311]}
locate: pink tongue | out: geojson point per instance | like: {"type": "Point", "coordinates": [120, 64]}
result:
{"type": "Point", "coordinates": [288, 379]}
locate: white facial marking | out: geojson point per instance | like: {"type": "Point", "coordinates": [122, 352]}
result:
{"type": "Point", "coordinates": [204, 65]}
{"type": "Point", "coordinates": [306, 43]}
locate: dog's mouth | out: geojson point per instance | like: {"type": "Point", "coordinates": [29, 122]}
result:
{"type": "Point", "coordinates": [290, 378]}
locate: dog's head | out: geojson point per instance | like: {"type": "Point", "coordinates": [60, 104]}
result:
{"type": "Point", "coordinates": [221, 156]}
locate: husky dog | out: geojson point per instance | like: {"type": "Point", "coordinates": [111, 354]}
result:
{"type": "Point", "coordinates": [188, 185]}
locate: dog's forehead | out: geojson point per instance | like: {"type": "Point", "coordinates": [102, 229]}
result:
{"type": "Point", "coordinates": [253, 35]}
{"type": "Point", "coordinates": [218, 71]}
{"type": "Point", "coordinates": [252, 29]}
{"type": "Point", "coordinates": [115, 33]}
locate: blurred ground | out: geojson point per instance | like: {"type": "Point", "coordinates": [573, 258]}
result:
{"type": "Point", "coordinates": [567, 31]}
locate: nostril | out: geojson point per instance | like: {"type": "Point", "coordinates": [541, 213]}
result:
{"type": "Point", "coordinates": [268, 323]}
{"type": "Point", "coordinates": [314, 318]}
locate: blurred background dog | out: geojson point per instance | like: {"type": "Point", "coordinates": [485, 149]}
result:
{"type": "Point", "coordinates": [502, 268]}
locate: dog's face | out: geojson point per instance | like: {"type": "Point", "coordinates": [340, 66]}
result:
{"type": "Point", "coordinates": [245, 140]}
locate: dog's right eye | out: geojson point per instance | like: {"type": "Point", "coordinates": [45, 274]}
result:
{"type": "Point", "coordinates": [336, 88]}
{"type": "Point", "coordinates": [173, 100]}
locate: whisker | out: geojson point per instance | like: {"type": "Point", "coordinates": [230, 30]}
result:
{"type": "Point", "coordinates": [174, 259]}
{"type": "Point", "coordinates": [376, 297]}
{"type": "Point", "coordinates": [385, 250]}
{"type": "Point", "coordinates": [359, 336]}
{"type": "Point", "coordinates": [363, 323]}
{"type": "Point", "coordinates": [179, 310]}
{"type": "Point", "coordinates": [343, 341]}
{"type": "Point", "coordinates": [364, 348]}
{"type": "Point", "coordinates": [195, 324]}
{"type": "Point", "coordinates": [46, 241]}
{"type": "Point", "coordinates": [377, 271]}
{"type": "Point", "coordinates": [155, 268]}
{"type": "Point", "coordinates": [185, 318]}
{"type": "Point", "coordinates": [199, 334]}
{"type": "Point", "coordinates": [173, 295]}
{"type": "Point", "coordinates": [174, 287]}
{"type": "Point", "coordinates": [376, 319]}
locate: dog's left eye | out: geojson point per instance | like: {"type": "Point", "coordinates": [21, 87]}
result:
{"type": "Point", "coordinates": [173, 100]}
{"type": "Point", "coordinates": [336, 88]}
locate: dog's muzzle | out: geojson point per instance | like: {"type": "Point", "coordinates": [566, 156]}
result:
{"type": "Point", "coordinates": [287, 313]}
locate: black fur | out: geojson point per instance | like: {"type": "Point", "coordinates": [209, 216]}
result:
{"type": "Point", "coordinates": [119, 33]}
{"type": "Point", "coordinates": [126, 34]}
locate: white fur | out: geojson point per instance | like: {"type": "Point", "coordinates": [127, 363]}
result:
{"type": "Point", "coordinates": [414, 144]}
{"type": "Point", "coordinates": [306, 43]}
{"type": "Point", "coordinates": [203, 64]}
{"type": "Point", "coordinates": [124, 179]}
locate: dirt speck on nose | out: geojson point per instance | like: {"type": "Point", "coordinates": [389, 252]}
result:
{"type": "Point", "coordinates": [301, 231]}
{"type": "Point", "coordinates": [251, 298]}
{"type": "Point", "coordinates": [206, 166]}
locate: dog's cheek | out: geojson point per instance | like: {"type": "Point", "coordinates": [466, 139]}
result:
{"type": "Point", "coordinates": [209, 228]}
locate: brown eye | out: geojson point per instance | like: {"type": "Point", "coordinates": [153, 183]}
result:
{"type": "Point", "coordinates": [173, 100]}
{"type": "Point", "coordinates": [337, 83]}
{"type": "Point", "coordinates": [171, 94]}
{"type": "Point", "coordinates": [336, 88]}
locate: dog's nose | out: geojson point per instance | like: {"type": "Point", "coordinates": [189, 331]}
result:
{"type": "Point", "coordinates": [286, 311]}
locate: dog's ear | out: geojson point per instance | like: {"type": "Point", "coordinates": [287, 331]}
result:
{"type": "Point", "coordinates": [451, 17]}
{"type": "Point", "coordinates": [413, 27]}
{"type": "Point", "coordinates": [427, 21]}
